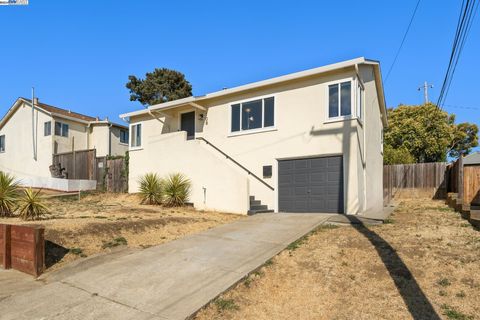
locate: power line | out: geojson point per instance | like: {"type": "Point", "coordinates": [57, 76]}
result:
{"type": "Point", "coordinates": [464, 23]}
{"type": "Point", "coordinates": [403, 41]}
{"type": "Point", "coordinates": [461, 107]}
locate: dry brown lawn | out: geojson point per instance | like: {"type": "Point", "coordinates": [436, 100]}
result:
{"type": "Point", "coordinates": [98, 222]}
{"type": "Point", "coordinates": [423, 264]}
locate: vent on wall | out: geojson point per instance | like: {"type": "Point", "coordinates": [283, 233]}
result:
{"type": "Point", "coordinates": [267, 171]}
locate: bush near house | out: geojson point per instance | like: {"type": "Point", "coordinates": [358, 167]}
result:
{"type": "Point", "coordinates": [9, 192]}
{"type": "Point", "coordinates": [171, 191]}
{"type": "Point", "coordinates": [29, 205]}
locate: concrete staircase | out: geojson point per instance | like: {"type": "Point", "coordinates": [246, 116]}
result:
{"type": "Point", "coordinates": [256, 206]}
{"type": "Point", "coordinates": [468, 212]}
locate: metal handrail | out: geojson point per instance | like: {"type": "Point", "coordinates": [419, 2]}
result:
{"type": "Point", "coordinates": [236, 162]}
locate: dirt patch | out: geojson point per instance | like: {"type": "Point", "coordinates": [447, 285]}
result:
{"type": "Point", "coordinates": [79, 228]}
{"type": "Point", "coordinates": [424, 262]}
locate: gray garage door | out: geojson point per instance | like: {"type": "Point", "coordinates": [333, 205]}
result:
{"type": "Point", "coordinates": [311, 185]}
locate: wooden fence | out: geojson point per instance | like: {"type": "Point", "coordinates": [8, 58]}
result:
{"type": "Point", "coordinates": [471, 184]}
{"type": "Point", "coordinates": [414, 180]}
{"type": "Point", "coordinates": [111, 174]}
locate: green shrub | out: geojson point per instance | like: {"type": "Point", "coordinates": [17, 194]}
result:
{"type": "Point", "coordinates": [176, 190]}
{"type": "Point", "coordinates": [151, 189]}
{"type": "Point", "coordinates": [32, 205]}
{"type": "Point", "coordinates": [397, 156]}
{"type": "Point", "coordinates": [9, 192]}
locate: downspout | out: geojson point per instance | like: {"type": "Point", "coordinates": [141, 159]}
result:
{"type": "Point", "coordinates": [364, 164]}
{"type": "Point", "coordinates": [33, 125]}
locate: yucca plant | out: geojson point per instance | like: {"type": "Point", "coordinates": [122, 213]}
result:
{"type": "Point", "coordinates": [151, 189]}
{"type": "Point", "coordinates": [32, 205]}
{"type": "Point", "coordinates": [176, 190]}
{"type": "Point", "coordinates": [9, 192]}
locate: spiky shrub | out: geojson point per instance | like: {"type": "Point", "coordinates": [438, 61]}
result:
{"type": "Point", "coordinates": [151, 189]}
{"type": "Point", "coordinates": [176, 190]}
{"type": "Point", "coordinates": [9, 192]}
{"type": "Point", "coordinates": [32, 206]}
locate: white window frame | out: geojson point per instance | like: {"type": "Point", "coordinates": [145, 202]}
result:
{"type": "Point", "coordinates": [62, 124]}
{"type": "Point", "coordinates": [44, 127]}
{"type": "Point", "coordinates": [4, 143]}
{"type": "Point", "coordinates": [360, 100]}
{"type": "Point", "coordinates": [256, 130]}
{"type": "Point", "coordinates": [352, 114]}
{"type": "Point", "coordinates": [130, 134]}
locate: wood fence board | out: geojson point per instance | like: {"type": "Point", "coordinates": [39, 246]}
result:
{"type": "Point", "coordinates": [416, 179]}
{"type": "Point", "coordinates": [471, 185]}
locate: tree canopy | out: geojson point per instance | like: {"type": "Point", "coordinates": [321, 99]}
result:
{"type": "Point", "coordinates": [427, 134]}
{"type": "Point", "coordinates": [161, 85]}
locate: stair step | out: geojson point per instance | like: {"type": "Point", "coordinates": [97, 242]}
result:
{"type": "Point", "coordinates": [259, 207]}
{"type": "Point", "coordinates": [475, 215]}
{"type": "Point", "coordinates": [255, 202]}
{"type": "Point", "coordinates": [252, 212]}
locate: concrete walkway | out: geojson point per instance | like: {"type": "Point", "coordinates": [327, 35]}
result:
{"type": "Point", "coordinates": [170, 281]}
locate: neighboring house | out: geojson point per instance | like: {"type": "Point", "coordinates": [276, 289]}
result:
{"type": "Point", "coordinates": [305, 142]}
{"type": "Point", "coordinates": [472, 159]}
{"type": "Point", "coordinates": [29, 139]}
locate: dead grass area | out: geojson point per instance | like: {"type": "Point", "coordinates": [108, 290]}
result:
{"type": "Point", "coordinates": [98, 222]}
{"type": "Point", "coordinates": [423, 264]}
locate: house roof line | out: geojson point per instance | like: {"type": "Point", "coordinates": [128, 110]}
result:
{"type": "Point", "coordinates": [269, 82]}
{"type": "Point", "coordinates": [56, 112]}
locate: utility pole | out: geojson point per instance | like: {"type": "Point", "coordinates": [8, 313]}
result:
{"type": "Point", "coordinates": [425, 90]}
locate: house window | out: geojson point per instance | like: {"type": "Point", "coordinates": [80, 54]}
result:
{"type": "Point", "coordinates": [2, 143]}
{"type": "Point", "coordinates": [61, 129]}
{"type": "Point", "coordinates": [360, 95]}
{"type": "Point", "coordinates": [47, 128]}
{"type": "Point", "coordinates": [254, 114]}
{"type": "Point", "coordinates": [340, 99]}
{"type": "Point", "coordinates": [123, 136]}
{"type": "Point", "coordinates": [136, 140]}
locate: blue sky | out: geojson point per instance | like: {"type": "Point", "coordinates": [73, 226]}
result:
{"type": "Point", "coordinates": [78, 54]}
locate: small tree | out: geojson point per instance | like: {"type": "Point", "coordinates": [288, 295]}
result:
{"type": "Point", "coordinates": [428, 134]}
{"type": "Point", "coordinates": [9, 193]}
{"type": "Point", "coordinates": [161, 85]}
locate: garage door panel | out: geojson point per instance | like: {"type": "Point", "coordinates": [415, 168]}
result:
{"type": "Point", "coordinates": [311, 185]}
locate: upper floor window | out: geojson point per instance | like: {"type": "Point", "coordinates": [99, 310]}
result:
{"type": "Point", "coordinates": [253, 114]}
{"type": "Point", "coordinates": [61, 129]}
{"type": "Point", "coordinates": [340, 99]}
{"type": "Point", "coordinates": [123, 136]}
{"type": "Point", "coordinates": [2, 143]}
{"type": "Point", "coordinates": [47, 128]}
{"type": "Point", "coordinates": [360, 97]}
{"type": "Point", "coordinates": [136, 137]}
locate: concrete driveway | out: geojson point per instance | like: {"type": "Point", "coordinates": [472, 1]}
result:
{"type": "Point", "coordinates": [170, 281]}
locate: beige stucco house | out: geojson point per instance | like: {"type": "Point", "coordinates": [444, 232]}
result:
{"type": "Point", "coordinates": [310, 141]}
{"type": "Point", "coordinates": [29, 139]}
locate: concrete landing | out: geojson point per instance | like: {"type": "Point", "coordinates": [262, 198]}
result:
{"type": "Point", "coordinates": [170, 281]}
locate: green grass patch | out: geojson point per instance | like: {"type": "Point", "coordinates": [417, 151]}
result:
{"type": "Point", "coordinates": [388, 221]}
{"type": "Point", "coordinates": [451, 313]}
{"type": "Point", "coordinates": [119, 241]}
{"type": "Point", "coordinates": [226, 304]}
{"type": "Point", "coordinates": [444, 282]}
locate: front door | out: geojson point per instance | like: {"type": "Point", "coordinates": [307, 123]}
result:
{"type": "Point", "coordinates": [187, 123]}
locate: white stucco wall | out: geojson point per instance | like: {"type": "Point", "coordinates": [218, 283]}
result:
{"type": "Point", "coordinates": [117, 148]}
{"type": "Point", "coordinates": [77, 137]}
{"type": "Point", "coordinates": [18, 156]}
{"type": "Point", "coordinates": [301, 130]}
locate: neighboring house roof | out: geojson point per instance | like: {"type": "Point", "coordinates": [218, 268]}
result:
{"type": "Point", "coordinates": [56, 112]}
{"type": "Point", "coordinates": [273, 81]}
{"type": "Point", "coordinates": [473, 158]}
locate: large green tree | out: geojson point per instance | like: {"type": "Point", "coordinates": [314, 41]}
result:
{"type": "Point", "coordinates": [428, 134]}
{"type": "Point", "coordinates": [161, 85]}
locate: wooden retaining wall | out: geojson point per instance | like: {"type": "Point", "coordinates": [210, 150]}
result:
{"type": "Point", "coordinates": [23, 248]}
